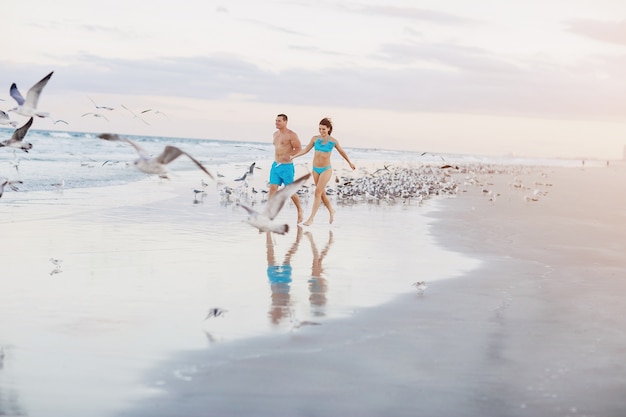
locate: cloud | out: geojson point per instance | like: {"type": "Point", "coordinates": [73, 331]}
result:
{"type": "Point", "coordinates": [457, 57]}
{"type": "Point", "coordinates": [411, 13]}
{"type": "Point", "coordinates": [275, 28]}
{"type": "Point", "coordinates": [603, 31]}
{"type": "Point", "coordinates": [318, 51]}
{"type": "Point", "coordinates": [434, 78]}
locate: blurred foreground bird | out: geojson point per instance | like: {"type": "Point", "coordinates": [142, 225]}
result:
{"type": "Point", "coordinates": [264, 220]}
{"type": "Point", "coordinates": [16, 141]}
{"type": "Point", "coordinates": [154, 165]}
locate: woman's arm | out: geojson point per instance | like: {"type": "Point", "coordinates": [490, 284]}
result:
{"type": "Point", "coordinates": [305, 150]}
{"type": "Point", "coordinates": [343, 154]}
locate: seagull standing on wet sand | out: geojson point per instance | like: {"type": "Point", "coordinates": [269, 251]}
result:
{"type": "Point", "coordinates": [16, 140]}
{"type": "Point", "coordinates": [215, 312]}
{"type": "Point", "coordinates": [421, 286]}
{"type": "Point", "coordinates": [56, 262]}
{"type": "Point", "coordinates": [264, 221]}
{"type": "Point", "coordinates": [154, 165]}
{"type": "Point", "coordinates": [28, 107]}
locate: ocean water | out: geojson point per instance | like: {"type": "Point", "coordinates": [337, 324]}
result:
{"type": "Point", "coordinates": [81, 160]}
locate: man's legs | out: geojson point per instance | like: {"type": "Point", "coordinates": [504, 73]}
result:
{"type": "Point", "coordinates": [296, 202]}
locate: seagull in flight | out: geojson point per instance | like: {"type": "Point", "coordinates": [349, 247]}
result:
{"type": "Point", "coordinates": [95, 115]}
{"type": "Point", "coordinates": [16, 141]}
{"type": "Point", "coordinates": [153, 111]}
{"type": "Point", "coordinates": [154, 165]}
{"type": "Point", "coordinates": [4, 119]}
{"type": "Point", "coordinates": [28, 107]}
{"type": "Point", "coordinates": [264, 220]}
{"type": "Point", "coordinates": [249, 171]}
{"type": "Point", "coordinates": [4, 182]}
{"type": "Point", "coordinates": [134, 115]}
{"type": "Point", "coordinates": [100, 107]}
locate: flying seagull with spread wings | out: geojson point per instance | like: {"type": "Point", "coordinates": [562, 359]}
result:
{"type": "Point", "coordinates": [16, 141]}
{"type": "Point", "coordinates": [264, 220]}
{"type": "Point", "coordinates": [154, 165]}
{"type": "Point", "coordinates": [28, 107]}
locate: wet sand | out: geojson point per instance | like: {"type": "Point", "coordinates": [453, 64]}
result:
{"type": "Point", "coordinates": [537, 330]}
{"type": "Point", "coordinates": [522, 315]}
{"type": "Point", "coordinates": [141, 265]}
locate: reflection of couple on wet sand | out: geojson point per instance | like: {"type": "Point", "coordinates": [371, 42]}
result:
{"type": "Point", "coordinates": [280, 279]}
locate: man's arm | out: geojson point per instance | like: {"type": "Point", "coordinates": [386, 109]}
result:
{"type": "Point", "coordinates": [296, 145]}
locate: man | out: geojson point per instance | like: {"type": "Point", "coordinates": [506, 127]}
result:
{"type": "Point", "coordinates": [286, 144]}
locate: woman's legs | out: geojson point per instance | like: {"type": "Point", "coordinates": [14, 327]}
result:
{"type": "Point", "coordinates": [320, 193]}
{"type": "Point", "coordinates": [326, 202]}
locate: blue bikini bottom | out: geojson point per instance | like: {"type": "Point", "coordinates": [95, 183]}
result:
{"type": "Point", "coordinates": [319, 170]}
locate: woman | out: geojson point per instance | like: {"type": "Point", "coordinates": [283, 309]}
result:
{"type": "Point", "coordinates": [322, 170]}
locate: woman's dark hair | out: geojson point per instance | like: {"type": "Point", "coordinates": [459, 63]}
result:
{"type": "Point", "coordinates": [326, 122]}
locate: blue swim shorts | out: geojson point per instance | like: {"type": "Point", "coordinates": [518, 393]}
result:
{"type": "Point", "coordinates": [282, 173]}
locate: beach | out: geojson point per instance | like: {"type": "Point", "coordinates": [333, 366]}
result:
{"type": "Point", "coordinates": [521, 315]}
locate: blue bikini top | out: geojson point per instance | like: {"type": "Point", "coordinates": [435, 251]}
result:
{"type": "Point", "coordinates": [324, 147]}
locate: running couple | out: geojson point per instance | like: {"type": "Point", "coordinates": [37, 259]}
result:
{"type": "Point", "coordinates": [287, 146]}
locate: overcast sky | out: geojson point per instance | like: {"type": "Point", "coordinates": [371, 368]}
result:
{"type": "Point", "coordinates": [530, 77]}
